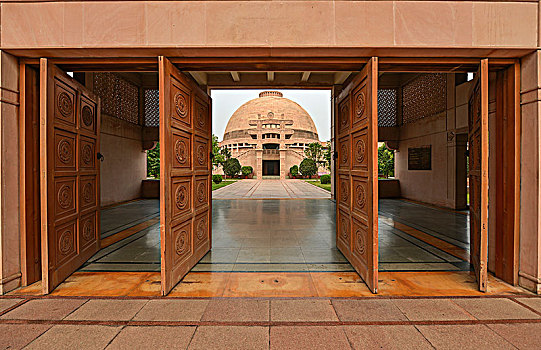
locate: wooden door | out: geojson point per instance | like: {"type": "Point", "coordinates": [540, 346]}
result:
{"type": "Point", "coordinates": [185, 171]}
{"type": "Point", "coordinates": [478, 173]}
{"type": "Point", "coordinates": [70, 183]}
{"type": "Point", "coordinates": [357, 168]}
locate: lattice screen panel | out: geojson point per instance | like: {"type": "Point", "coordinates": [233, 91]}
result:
{"type": "Point", "coordinates": [119, 97]}
{"type": "Point", "coordinates": [424, 96]}
{"type": "Point", "coordinates": [387, 107]}
{"type": "Point", "coordinates": [152, 107]}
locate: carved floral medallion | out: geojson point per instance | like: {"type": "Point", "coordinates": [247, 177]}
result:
{"type": "Point", "coordinates": [65, 197]}
{"type": "Point", "coordinates": [181, 197]}
{"type": "Point", "coordinates": [201, 154]}
{"type": "Point", "coordinates": [181, 106]}
{"type": "Point", "coordinates": [88, 229]}
{"type": "Point", "coordinates": [65, 152]}
{"type": "Point", "coordinates": [87, 116]}
{"type": "Point", "coordinates": [344, 191]}
{"type": "Point", "coordinates": [360, 104]}
{"type": "Point", "coordinates": [181, 243]}
{"type": "Point", "coordinates": [65, 104]}
{"type": "Point", "coordinates": [88, 192]}
{"type": "Point", "coordinates": [360, 150]}
{"type": "Point", "coordinates": [86, 154]}
{"type": "Point", "coordinates": [201, 229]}
{"type": "Point", "coordinates": [181, 151]}
{"type": "Point", "coordinates": [360, 245]}
{"type": "Point", "coordinates": [360, 198]}
{"type": "Point", "coordinates": [201, 192]}
{"type": "Point", "coordinates": [65, 242]}
{"type": "Point", "coordinates": [344, 229]}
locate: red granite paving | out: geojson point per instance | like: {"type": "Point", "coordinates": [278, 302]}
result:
{"type": "Point", "coordinates": [495, 322]}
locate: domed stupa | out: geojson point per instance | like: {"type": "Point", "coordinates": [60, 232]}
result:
{"type": "Point", "coordinates": [270, 133]}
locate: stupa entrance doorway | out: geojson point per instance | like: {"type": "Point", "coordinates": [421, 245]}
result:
{"type": "Point", "coordinates": [185, 161]}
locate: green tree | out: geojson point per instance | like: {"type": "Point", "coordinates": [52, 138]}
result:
{"type": "Point", "coordinates": [314, 152]}
{"type": "Point", "coordinates": [294, 170]}
{"type": "Point", "coordinates": [215, 151]}
{"type": "Point", "coordinates": [225, 153]}
{"type": "Point", "coordinates": [385, 161]}
{"type": "Point", "coordinates": [221, 154]}
{"type": "Point", "coordinates": [327, 156]}
{"type": "Point", "coordinates": [231, 167]}
{"type": "Point", "coordinates": [308, 167]}
{"type": "Point", "coordinates": [246, 170]}
{"type": "Point", "coordinates": [153, 162]}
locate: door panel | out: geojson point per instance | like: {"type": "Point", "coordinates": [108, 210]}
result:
{"type": "Point", "coordinates": [478, 174]}
{"type": "Point", "coordinates": [185, 168]}
{"type": "Point", "coordinates": [70, 213]}
{"type": "Point", "coordinates": [357, 191]}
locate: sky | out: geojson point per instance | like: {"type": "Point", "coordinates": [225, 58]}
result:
{"type": "Point", "coordinates": [316, 102]}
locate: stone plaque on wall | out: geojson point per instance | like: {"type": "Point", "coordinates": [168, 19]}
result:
{"type": "Point", "coordinates": [420, 158]}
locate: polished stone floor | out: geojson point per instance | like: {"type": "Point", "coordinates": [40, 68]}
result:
{"type": "Point", "coordinates": [117, 218]}
{"type": "Point", "coordinates": [273, 235]}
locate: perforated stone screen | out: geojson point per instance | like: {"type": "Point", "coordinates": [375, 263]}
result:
{"type": "Point", "coordinates": [152, 107]}
{"type": "Point", "coordinates": [424, 96]}
{"type": "Point", "coordinates": [387, 107]}
{"type": "Point", "coordinates": [119, 97]}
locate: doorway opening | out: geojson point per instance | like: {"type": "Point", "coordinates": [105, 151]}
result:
{"type": "Point", "coordinates": [188, 182]}
{"type": "Point", "coordinates": [271, 167]}
{"type": "Point", "coordinates": [276, 222]}
{"type": "Point", "coordinates": [423, 126]}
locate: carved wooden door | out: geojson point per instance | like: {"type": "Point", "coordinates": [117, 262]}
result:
{"type": "Point", "coordinates": [70, 183]}
{"type": "Point", "coordinates": [185, 171]}
{"type": "Point", "coordinates": [357, 185]}
{"type": "Point", "coordinates": [478, 174]}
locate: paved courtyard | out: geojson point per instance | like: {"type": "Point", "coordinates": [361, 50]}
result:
{"type": "Point", "coordinates": [254, 233]}
{"type": "Point", "coordinates": [262, 323]}
{"type": "Point", "coordinates": [271, 189]}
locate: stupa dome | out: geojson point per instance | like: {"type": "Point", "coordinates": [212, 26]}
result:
{"type": "Point", "coordinates": [271, 105]}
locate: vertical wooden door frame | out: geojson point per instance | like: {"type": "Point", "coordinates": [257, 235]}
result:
{"type": "Point", "coordinates": [478, 174]}
{"type": "Point", "coordinates": [29, 186]}
{"type": "Point", "coordinates": [507, 141]}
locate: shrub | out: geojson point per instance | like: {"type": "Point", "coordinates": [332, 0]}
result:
{"type": "Point", "coordinates": [231, 167]}
{"type": "Point", "coordinates": [247, 170]}
{"type": "Point", "coordinates": [308, 167]}
{"type": "Point", "coordinates": [216, 179]}
{"type": "Point", "coordinates": [325, 179]}
{"type": "Point", "coordinates": [294, 170]}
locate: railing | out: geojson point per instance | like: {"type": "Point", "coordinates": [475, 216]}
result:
{"type": "Point", "coordinates": [271, 151]}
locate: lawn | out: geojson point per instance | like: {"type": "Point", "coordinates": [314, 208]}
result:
{"type": "Point", "coordinates": [222, 184]}
{"type": "Point", "coordinates": [318, 183]}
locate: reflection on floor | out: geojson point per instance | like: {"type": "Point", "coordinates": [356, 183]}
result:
{"type": "Point", "coordinates": [293, 236]}
{"type": "Point", "coordinates": [416, 237]}
{"type": "Point", "coordinates": [120, 217]}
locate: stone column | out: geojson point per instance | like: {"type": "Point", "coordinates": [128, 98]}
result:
{"type": "Point", "coordinates": [259, 164]}
{"type": "Point", "coordinates": [283, 169]}
{"type": "Point", "coordinates": [530, 186]}
{"type": "Point", "coordinates": [10, 266]}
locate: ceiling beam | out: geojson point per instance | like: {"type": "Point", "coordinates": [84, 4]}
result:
{"type": "Point", "coordinates": [200, 77]}
{"type": "Point", "coordinates": [235, 76]}
{"type": "Point", "coordinates": [340, 77]}
{"type": "Point", "coordinates": [270, 76]}
{"type": "Point", "coordinates": [305, 76]}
